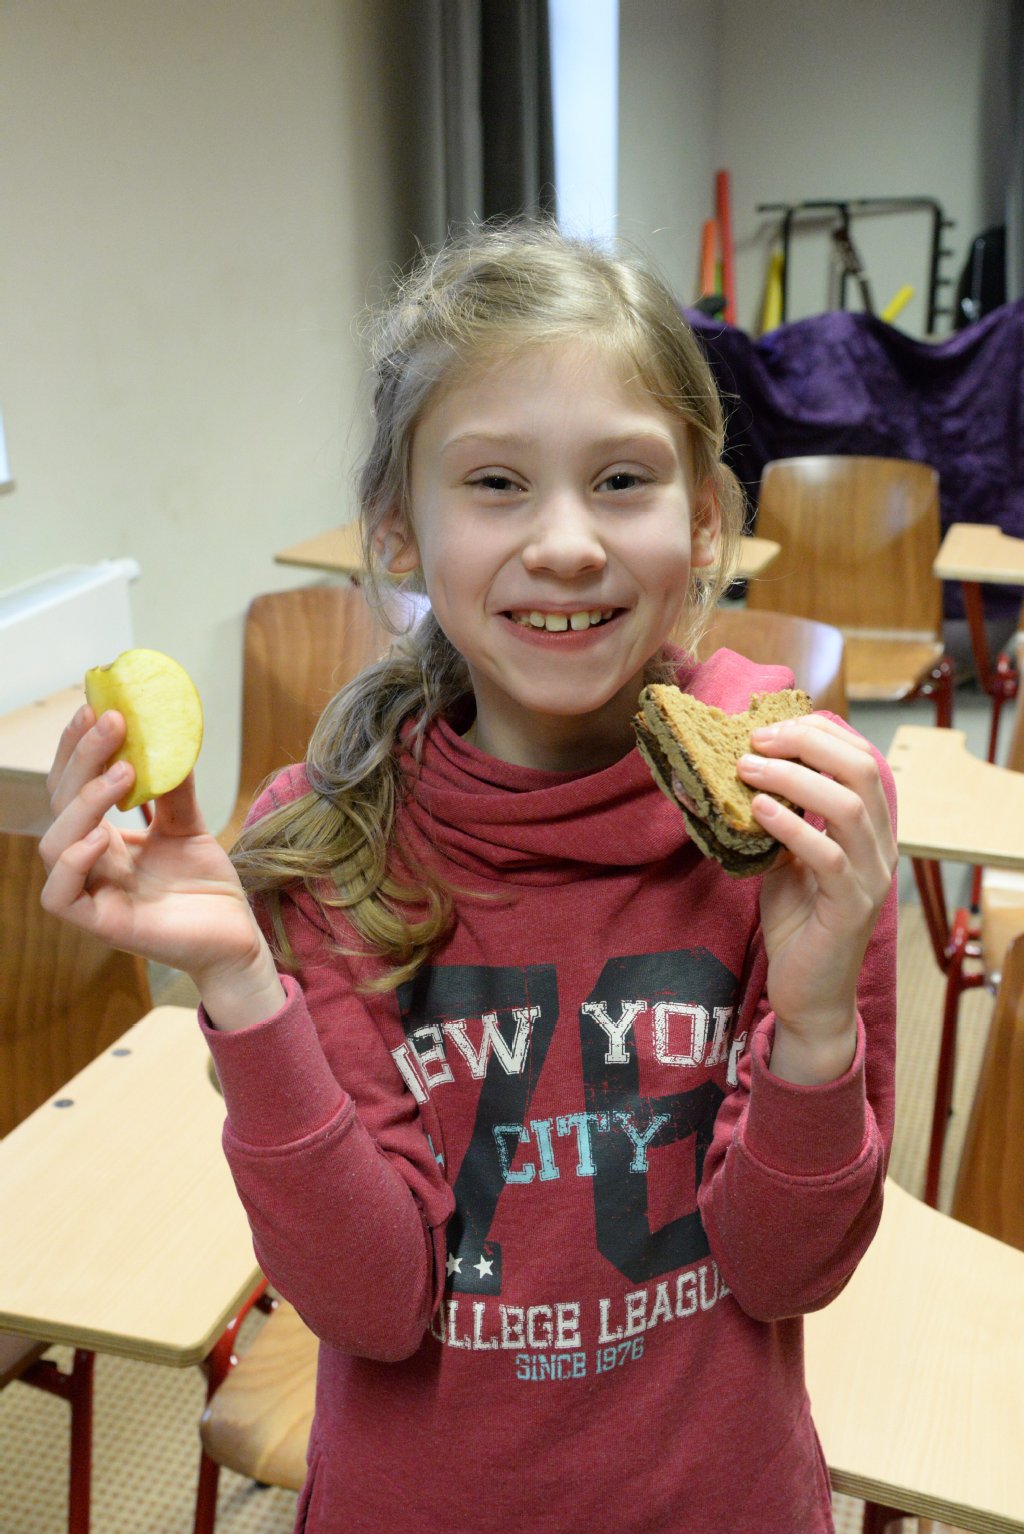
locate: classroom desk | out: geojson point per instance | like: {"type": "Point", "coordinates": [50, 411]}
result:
{"type": "Point", "coordinates": [339, 552]}
{"type": "Point", "coordinates": [953, 806]}
{"type": "Point", "coordinates": [28, 740]}
{"type": "Point", "coordinates": [914, 1372]}
{"type": "Point", "coordinates": [122, 1229]}
{"type": "Point", "coordinates": [977, 554]}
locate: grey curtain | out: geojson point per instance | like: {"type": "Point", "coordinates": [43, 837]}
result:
{"type": "Point", "coordinates": [1015, 179]}
{"type": "Point", "coordinates": [498, 120]}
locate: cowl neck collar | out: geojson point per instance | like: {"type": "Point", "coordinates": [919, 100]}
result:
{"type": "Point", "coordinates": [498, 821]}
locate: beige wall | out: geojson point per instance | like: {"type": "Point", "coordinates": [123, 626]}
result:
{"type": "Point", "coordinates": [195, 199]}
{"type": "Point", "coordinates": [669, 63]}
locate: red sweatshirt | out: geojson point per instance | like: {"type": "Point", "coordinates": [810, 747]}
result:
{"type": "Point", "coordinates": [550, 1214]}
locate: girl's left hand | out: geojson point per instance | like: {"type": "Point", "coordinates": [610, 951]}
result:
{"type": "Point", "coordinates": [822, 897]}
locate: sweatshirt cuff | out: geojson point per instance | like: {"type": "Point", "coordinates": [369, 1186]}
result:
{"type": "Point", "coordinates": [278, 1087]}
{"type": "Point", "coordinates": [804, 1131]}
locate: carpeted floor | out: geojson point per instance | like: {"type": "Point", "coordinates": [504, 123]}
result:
{"type": "Point", "coordinates": [146, 1447]}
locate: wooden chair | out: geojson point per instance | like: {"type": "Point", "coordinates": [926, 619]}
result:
{"type": "Point", "coordinates": [989, 1191]}
{"type": "Point", "coordinates": [65, 997]}
{"type": "Point", "coordinates": [257, 1423]}
{"type": "Point", "coordinates": [911, 1334]}
{"type": "Point", "coordinates": [914, 1374]}
{"type": "Point", "coordinates": [813, 651]}
{"type": "Point", "coordinates": [858, 538]}
{"type": "Point", "coordinates": [301, 647]}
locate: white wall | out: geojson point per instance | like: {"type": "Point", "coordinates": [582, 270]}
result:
{"type": "Point", "coordinates": [805, 99]}
{"type": "Point", "coordinates": [195, 198]}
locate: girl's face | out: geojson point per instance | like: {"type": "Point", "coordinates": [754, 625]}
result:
{"type": "Point", "coordinates": [556, 521]}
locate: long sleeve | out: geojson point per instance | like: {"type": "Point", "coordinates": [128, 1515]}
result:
{"type": "Point", "coordinates": [793, 1180]}
{"type": "Point", "coordinates": [330, 1157]}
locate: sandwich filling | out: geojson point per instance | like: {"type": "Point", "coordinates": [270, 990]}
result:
{"type": "Point", "coordinates": [692, 749]}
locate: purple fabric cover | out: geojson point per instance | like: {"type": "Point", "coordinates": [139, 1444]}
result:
{"type": "Point", "coordinates": [850, 383]}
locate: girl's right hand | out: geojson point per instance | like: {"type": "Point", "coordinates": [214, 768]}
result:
{"type": "Point", "coordinates": [169, 893]}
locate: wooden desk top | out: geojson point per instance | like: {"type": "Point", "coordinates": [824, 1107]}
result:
{"type": "Point", "coordinates": [952, 805]}
{"type": "Point", "coordinates": [976, 551]}
{"type": "Point", "coordinates": [914, 1372]}
{"type": "Point", "coordinates": [29, 735]}
{"type": "Point", "coordinates": [122, 1230]}
{"type": "Point", "coordinates": [339, 551]}
{"type": "Point", "coordinates": [28, 740]}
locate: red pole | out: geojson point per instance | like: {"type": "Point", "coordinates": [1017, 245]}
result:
{"type": "Point", "coordinates": [708, 258]}
{"type": "Point", "coordinates": [723, 209]}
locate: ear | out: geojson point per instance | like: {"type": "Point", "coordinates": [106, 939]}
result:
{"type": "Point", "coordinates": [395, 545]}
{"type": "Point", "coordinates": [705, 527]}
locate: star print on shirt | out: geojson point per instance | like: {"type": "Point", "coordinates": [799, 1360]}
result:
{"type": "Point", "coordinates": [454, 1264]}
{"type": "Point", "coordinates": [484, 1266]}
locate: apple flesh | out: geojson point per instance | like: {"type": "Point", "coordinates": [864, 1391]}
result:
{"type": "Point", "coordinates": [163, 718]}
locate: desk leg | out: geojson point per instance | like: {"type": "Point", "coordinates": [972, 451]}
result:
{"type": "Point", "coordinates": [877, 1518]}
{"type": "Point", "coordinates": [81, 1397]}
{"type": "Point", "coordinates": [75, 1387]}
{"type": "Point", "coordinates": [975, 611]}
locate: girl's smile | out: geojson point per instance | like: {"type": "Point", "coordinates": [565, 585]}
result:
{"type": "Point", "coordinates": [555, 519]}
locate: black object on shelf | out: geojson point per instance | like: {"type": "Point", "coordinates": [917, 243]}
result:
{"type": "Point", "coordinates": [982, 285]}
{"type": "Point", "coordinates": [842, 240]}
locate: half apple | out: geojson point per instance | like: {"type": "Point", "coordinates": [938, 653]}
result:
{"type": "Point", "coordinates": [163, 718]}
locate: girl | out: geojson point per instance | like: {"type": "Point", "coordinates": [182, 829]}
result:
{"type": "Point", "coordinates": [550, 1130]}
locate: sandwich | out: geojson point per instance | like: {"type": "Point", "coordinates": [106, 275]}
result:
{"type": "Point", "coordinates": [692, 749]}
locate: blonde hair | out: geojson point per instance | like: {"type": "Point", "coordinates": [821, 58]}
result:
{"type": "Point", "coordinates": [490, 292]}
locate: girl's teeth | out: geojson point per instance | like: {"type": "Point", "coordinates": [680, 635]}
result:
{"type": "Point", "coordinates": [557, 623]}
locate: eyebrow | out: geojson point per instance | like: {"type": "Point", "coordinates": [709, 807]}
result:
{"type": "Point", "coordinates": [615, 443]}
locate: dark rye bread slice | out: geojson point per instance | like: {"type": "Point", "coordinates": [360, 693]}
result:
{"type": "Point", "coordinates": [692, 749]}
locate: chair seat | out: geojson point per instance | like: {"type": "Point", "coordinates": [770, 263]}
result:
{"type": "Point", "coordinates": [257, 1423]}
{"type": "Point", "coordinates": [16, 1353]}
{"type": "Point", "coordinates": [886, 668]}
{"type": "Point", "coordinates": [1002, 917]}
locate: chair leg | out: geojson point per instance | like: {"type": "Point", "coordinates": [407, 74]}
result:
{"type": "Point", "coordinates": [216, 1366]}
{"type": "Point", "coordinates": [206, 1495]}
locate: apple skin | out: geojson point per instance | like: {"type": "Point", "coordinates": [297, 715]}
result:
{"type": "Point", "coordinates": [163, 719]}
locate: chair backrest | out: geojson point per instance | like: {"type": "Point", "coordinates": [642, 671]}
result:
{"type": "Point", "coordinates": [989, 1191]}
{"type": "Point", "coordinates": [301, 647]}
{"type": "Point", "coordinates": [858, 539]}
{"type": "Point", "coordinates": [64, 995]}
{"type": "Point", "coordinates": [813, 651]}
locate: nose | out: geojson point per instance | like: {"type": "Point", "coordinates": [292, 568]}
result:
{"type": "Point", "coordinates": [563, 538]}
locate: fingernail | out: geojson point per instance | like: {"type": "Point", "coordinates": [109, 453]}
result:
{"type": "Point", "coordinates": [117, 773]}
{"type": "Point", "coordinates": [765, 731]}
{"type": "Point", "coordinates": [105, 725]}
{"type": "Point", "coordinates": [750, 762]}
